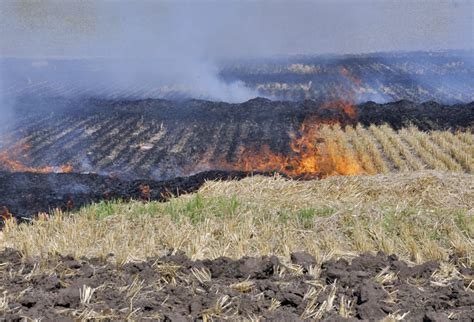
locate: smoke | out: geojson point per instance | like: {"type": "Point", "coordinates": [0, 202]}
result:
{"type": "Point", "coordinates": [166, 47]}
{"type": "Point", "coordinates": [5, 107]}
{"type": "Point", "coordinates": [177, 47]}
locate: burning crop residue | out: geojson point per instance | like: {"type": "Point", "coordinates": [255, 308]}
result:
{"type": "Point", "coordinates": [5, 214]}
{"type": "Point", "coordinates": [311, 155]}
{"type": "Point", "coordinates": [11, 160]}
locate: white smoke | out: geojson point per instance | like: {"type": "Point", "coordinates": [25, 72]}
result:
{"type": "Point", "coordinates": [183, 42]}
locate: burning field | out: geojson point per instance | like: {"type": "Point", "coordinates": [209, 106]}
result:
{"type": "Point", "coordinates": [260, 210]}
{"type": "Point", "coordinates": [165, 139]}
{"type": "Point", "coordinates": [326, 207]}
{"type": "Point", "coordinates": [85, 151]}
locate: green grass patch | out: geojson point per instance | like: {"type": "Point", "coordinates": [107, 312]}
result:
{"type": "Point", "coordinates": [105, 209]}
{"type": "Point", "coordinates": [198, 208]}
{"type": "Point", "coordinates": [306, 216]}
{"type": "Point", "coordinates": [465, 223]}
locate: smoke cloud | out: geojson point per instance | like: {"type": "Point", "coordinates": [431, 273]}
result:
{"type": "Point", "coordinates": [180, 45]}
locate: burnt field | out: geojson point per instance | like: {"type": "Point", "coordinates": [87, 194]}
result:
{"type": "Point", "coordinates": [417, 76]}
{"type": "Point", "coordinates": [237, 160]}
{"type": "Point", "coordinates": [74, 152]}
{"type": "Point", "coordinates": [164, 139]}
{"type": "Point", "coordinates": [24, 195]}
{"type": "Point", "coordinates": [444, 77]}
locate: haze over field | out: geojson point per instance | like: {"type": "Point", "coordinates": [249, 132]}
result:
{"type": "Point", "coordinates": [231, 28]}
{"type": "Point", "coordinates": [186, 40]}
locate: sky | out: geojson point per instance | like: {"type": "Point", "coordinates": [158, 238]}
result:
{"type": "Point", "coordinates": [230, 29]}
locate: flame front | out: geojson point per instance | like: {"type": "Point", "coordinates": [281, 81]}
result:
{"type": "Point", "coordinates": [311, 154]}
{"type": "Point", "coordinates": [10, 161]}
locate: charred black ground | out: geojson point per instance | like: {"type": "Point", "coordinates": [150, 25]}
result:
{"type": "Point", "coordinates": [26, 194]}
{"type": "Point", "coordinates": [162, 139]}
{"type": "Point", "coordinates": [114, 147]}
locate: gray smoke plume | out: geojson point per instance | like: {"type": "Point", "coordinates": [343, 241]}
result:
{"type": "Point", "coordinates": [180, 45]}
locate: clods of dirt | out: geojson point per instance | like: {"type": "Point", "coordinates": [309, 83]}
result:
{"type": "Point", "coordinates": [175, 288]}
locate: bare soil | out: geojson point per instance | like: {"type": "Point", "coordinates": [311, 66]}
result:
{"type": "Point", "coordinates": [176, 288]}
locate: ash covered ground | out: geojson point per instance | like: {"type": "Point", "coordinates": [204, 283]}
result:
{"type": "Point", "coordinates": [62, 114]}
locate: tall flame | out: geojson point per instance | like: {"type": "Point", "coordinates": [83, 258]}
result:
{"type": "Point", "coordinates": [310, 154]}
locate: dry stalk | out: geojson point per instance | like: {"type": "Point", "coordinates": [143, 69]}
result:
{"type": "Point", "coordinates": [393, 317]}
{"type": "Point", "coordinates": [4, 302]}
{"type": "Point", "coordinates": [345, 307]}
{"type": "Point", "coordinates": [274, 305]}
{"type": "Point", "coordinates": [203, 275]}
{"type": "Point", "coordinates": [313, 310]}
{"type": "Point", "coordinates": [243, 287]}
{"type": "Point", "coordinates": [86, 294]}
{"type": "Point", "coordinates": [220, 309]}
{"type": "Point", "coordinates": [168, 272]}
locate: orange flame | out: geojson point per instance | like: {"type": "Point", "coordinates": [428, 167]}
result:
{"type": "Point", "coordinates": [5, 213]}
{"type": "Point", "coordinates": [9, 160]}
{"type": "Point", "coordinates": [345, 106]}
{"type": "Point", "coordinates": [310, 154]}
{"type": "Point", "coordinates": [347, 74]}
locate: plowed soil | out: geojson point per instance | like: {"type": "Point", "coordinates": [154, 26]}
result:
{"type": "Point", "coordinates": [175, 288]}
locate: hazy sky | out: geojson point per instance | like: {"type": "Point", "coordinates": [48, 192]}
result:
{"type": "Point", "coordinates": [227, 28]}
